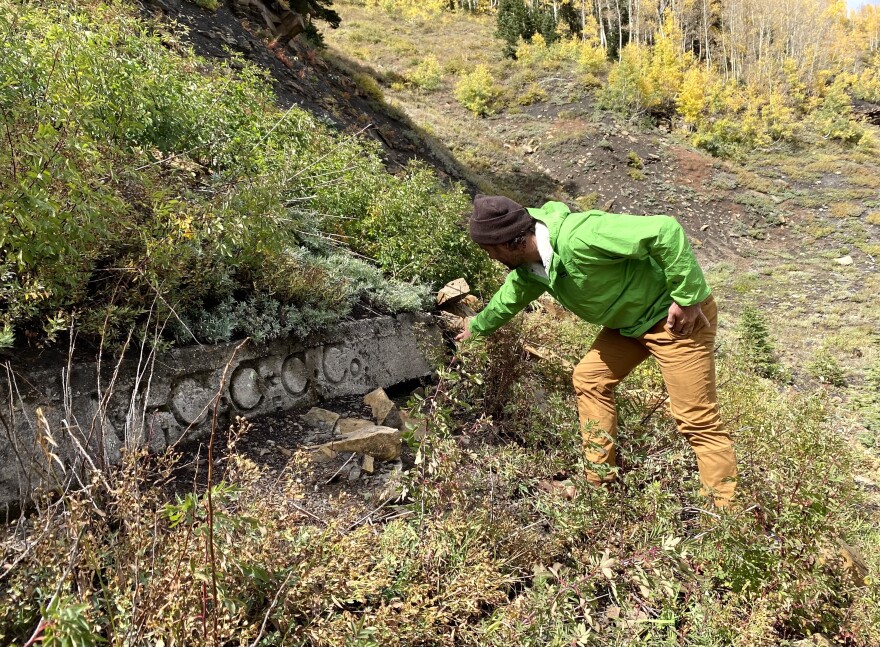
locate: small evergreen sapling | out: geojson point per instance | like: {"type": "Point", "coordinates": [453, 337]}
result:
{"type": "Point", "coordinates": [758, 348]}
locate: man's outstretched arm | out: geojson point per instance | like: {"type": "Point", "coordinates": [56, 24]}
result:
{"type": "Point", "coordinates": [514, 295]}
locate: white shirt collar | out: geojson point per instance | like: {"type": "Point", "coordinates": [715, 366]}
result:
{"type": "Point", "coordinates": [542, 238]}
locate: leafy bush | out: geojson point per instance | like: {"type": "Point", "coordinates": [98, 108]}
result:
{"type": "Point", "coordinates": [411, 9]}
{"type": "Point", "coordinates": [825, 368]}
{"type": "Point", "coordinates": [417, 233]}
{"type": "Point", "coordinates": [624, 91]}
{"type": "Point", "coordinates": [427, 75]}
{"type": "Point", "coordinates": [648, 78]}
{"type": "Point", "coordinates": [477, 92]}
{"type": "Point", "coordinates": [867, 85]}
{"type": "Point", "coordinates": [834, 117]}
{"type": "Point", "coordinates": [532, 94]}
{"type": "Point", "coordinates": [369, 85]}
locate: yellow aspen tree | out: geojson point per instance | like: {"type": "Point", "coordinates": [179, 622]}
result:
{"type": "Point", "coordinates": [692, 99]}
{"type": "Point", "coordinates": [666, 68]}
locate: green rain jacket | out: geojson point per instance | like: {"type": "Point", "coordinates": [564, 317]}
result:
{"type": "Point", "coordinates": [614, 270]}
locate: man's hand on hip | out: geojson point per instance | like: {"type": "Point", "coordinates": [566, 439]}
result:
{"type": "Point", "coordinates": [683, 319]}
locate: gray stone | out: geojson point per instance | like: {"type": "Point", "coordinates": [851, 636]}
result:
{"type": "Point", "coordinates": [246, 388]}
{"type": "Point", "coordinates": [321, 419]}
{"type": "Point", "coordinates": [191, 401]}
{"type": "Point", "coordinates": [347, 426]}
{"type": "Point", "coordinates": [159, 426]}
{"type": "Point", "coordinates": [323, 455]}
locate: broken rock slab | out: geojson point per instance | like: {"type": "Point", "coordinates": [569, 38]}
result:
{"type": "Point", "coordinates": [453, 292]}
{"type": "Point", "coordinates": [323, 454]}
{"type": "Point", "coordinates": [321, 419]}
{"type": "Point", "coordinates": [461, 309]}
{"type": "Point", "coordinates": [385, 412]}
{"type": "Point", "coordinates": [382, 443]}
{"type": "Point", "coordinates": [347, 426]}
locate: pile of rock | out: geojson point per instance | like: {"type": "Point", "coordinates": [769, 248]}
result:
{"type": "Point", "coordinates": [377, 440]}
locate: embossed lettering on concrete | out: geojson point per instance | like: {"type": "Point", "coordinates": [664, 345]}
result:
{"type": "Point", "coordinates": [184, 388]}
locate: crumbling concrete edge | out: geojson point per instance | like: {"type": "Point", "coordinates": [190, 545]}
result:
{"type": "Point", "coordinates": [61, 422]}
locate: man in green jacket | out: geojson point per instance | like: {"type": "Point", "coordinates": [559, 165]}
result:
{"type": "Point", "coordinates": [637, 277]}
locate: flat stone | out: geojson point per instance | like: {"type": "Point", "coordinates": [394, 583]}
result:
{"type": "Point", "coordinates": [460, 309]}
{"type": "Point", "coordinates": [368, 464]}
{"type": "Point", "coordinates": [321, 419]}
{"type": "Point", "coordinates": [382, 443]}
{"type": "Point", "coordinates": [245, 388]}
{"type": "Point", "coordinates": [323, 454]}
{"type": "Point", "coordinates": [354, 474]}
{"type": "Point", "coordinates": [346, 426]}
{"type": "Point", "coordinates": [385, 412]}
{"type": "Point", "coordinates": [844, 260]}
{"type": "Point", "coordinates": [453, 292]}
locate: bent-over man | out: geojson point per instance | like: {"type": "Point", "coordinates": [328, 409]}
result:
{"type": "Point", "coordinates": [638, 278]}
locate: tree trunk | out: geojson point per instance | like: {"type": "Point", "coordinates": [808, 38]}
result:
{"type": "Point", "coordinates": [619, 26]}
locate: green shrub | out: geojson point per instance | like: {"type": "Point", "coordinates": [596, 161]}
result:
{"type": "Point", "coordinates": [756, 346]}
{"type": "Point", "coordinates": [532, 94]}
{"type": "Point", "coordinates": [636, 174]}
{"type": "Point", "coordinates": [427, 75]}
{"type": "Point", "coordinates": [417, 232]}
{"type": "Point", "coordinates": [369, 85]}
{"type": "Point", "coordinates": [477, 92]}
{"type": "Point", "coordinates": [834, 118]}
{"type": "Point", "coordinates": [825, 368]}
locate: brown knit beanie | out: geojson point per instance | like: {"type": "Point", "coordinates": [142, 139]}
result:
{"type": "Point", "coordinates": [497, 220]}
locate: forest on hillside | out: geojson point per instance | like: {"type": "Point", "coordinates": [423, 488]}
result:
{"type": "Point", "coordinates": [734, 73]}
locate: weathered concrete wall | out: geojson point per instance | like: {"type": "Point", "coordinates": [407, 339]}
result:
{"type": "Point", "coordinates": [57, 423]}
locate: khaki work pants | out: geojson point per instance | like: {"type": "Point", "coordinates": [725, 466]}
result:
{"type": "Point", "coordinates": [688, 367]}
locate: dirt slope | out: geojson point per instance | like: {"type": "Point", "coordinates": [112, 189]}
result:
{"type": "Point", "coordinates": [302, 77]}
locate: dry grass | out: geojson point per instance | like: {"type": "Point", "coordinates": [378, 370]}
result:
{"type": "Point", "coordinates": [845, 209]}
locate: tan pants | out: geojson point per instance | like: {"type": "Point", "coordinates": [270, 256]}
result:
{"type": "Point", "coordinates": [688, 367]}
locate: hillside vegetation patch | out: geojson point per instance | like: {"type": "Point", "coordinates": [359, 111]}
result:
{"type": "Point", "coordinates": [137, 177]}
{"type": "Point", "coordinates": [477, 555]}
